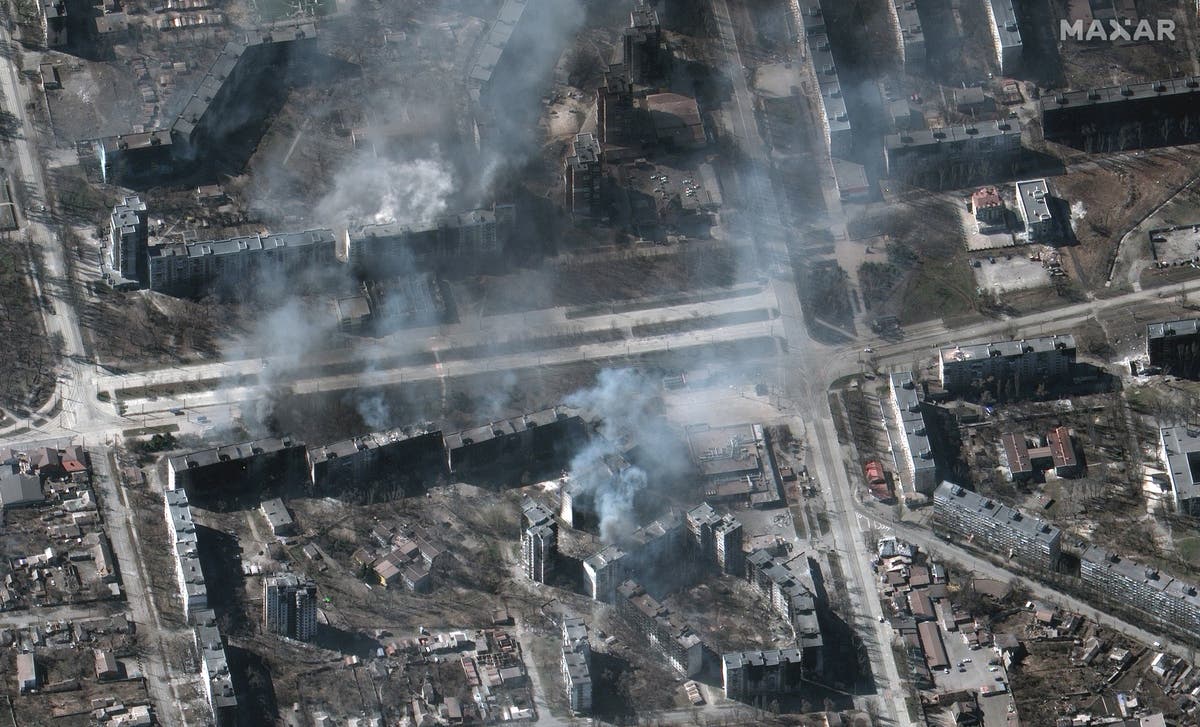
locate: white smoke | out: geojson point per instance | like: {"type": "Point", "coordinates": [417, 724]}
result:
{"type": "Point", "coordinates": [378, 190]}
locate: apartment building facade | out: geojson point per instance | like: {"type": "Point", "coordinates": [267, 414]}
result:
{"type": "Point", "coordinates": [990, 525]}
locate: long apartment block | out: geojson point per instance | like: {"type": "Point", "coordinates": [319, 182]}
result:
{"type": "Point", "coordinates": [990, 525]}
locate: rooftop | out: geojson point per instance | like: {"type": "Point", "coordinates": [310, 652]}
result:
{"type": "Point", "coordinates": [244, 450]}
{"type": "Point", "coordinates": [1181, 451]}
{"type": "Point", "coordinates": [1031, 527]}
{"type": "Point", "coordinates": [951, 134]}
{"type": "Point", "coordinates": [1128, 92]}
{"type": "Point", "coordinates": [1045, 344]}
{"type": "Point", "coordinates": [1034, 198]}
{"type": "Point", "coordinates": [1167, 329]}
{"type": "Point", "coordinates": [1005, 17]}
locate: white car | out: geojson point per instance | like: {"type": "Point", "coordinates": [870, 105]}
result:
{"type": "Point", "coordinates": [868, 349]}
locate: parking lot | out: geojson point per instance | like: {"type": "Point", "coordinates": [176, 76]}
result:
{"type": "Point", "coordinates": [973, 669]}
{"type": "Point", "coordinates": [1009, 272]}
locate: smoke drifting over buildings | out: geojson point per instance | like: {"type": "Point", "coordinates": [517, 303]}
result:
{"type": "Point", "coordinates": [380, 190]}
{"type": "Point", "coordinates": [634, 454]}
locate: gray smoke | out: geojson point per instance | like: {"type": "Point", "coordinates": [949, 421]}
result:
{"type": "Point", "coordinates": [600, 475]}
{"type": "Point", "coordinates": [379, 190]}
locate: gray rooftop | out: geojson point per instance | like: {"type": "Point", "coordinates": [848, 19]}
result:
{"type": "Point", "coordinates": [964, 499]}
{"type": "Point", "coordinates": [1166, 329]}
{"type": "Point", "coordinates": [276, 512]}
{"type": "Point", "coordinates": [952, 134]}
{"type": "Point", "coordinates": [243, 450]}
{"type": "Point", "coordinates": [1005, 17]}
{"type": "Point", "coordinates": [912, 421]}
{"type": "Point", "coordinates": [970, 351]}
{"type": "Point", "coordinates": [773, 657]}
{"type": "Point", "coordinates": [250, 243]}
{"type": "Point", "coordinates": [1034, 198]}
{"type": "Point", "coordinates": [1181, 450]}
{"type": "Point", "coordinates": [1115, 94]}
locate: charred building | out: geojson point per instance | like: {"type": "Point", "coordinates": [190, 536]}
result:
{"type": "Point", "coordinates": [1174, 347]}
{"type": "Point", "coordinates": [663, 629]}
{"type": "Point", "coordinates": [239, 466]}
{"type": "Point", "coordinates": [185, 268]}
{"type": "Point", "coordinates": [576, 664]}
{"type": "Point", "coordinates": [377, 466]}
{"type": "Point", "coordinates": [583, 177]}
{"type": "Point", "coordinates": [454, 243]}
{"type": "Point", "coordinates": [622, 128]}
{"type": "Point", "coordinates": [746, 675]}
{"type": "Point", "coordinates": [651, 551]}
{"type": "Point", "coordinates": [716, 539]}
{"type": "Point", "coordinates": [1019, 367]}
{"type": "Point", "coordinates": [542, 440]}
{"type": "Point", "coordinates": [796, 591]}
{"type": "Point", "coordinates": [246, 69]}
{"type": "Point", "coordinates": [1132, 116]}
{"type": "Point", "coordinates": [643, 52]}
{"type": "Point", "coordinates": [290, 607]}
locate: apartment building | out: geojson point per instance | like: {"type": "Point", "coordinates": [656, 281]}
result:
{"type": "Point", "coordinates": [1033, 200]}
{"type": "Point", "coordinates": [241, 465]}
{"type": "Point", "coordinates": [1179, 449]}
{"type": "Point", "coordinates": [643, 54]}
{"type": "Point", "coordinates": [910, 36]}
{"type": "Point", "coordinates": [376, 465]}
{"type": "Point", "coordinates": [1156, 596]}
{"type": "Point", "coordinates": [539, 541]}
{"type": "Point", "coordinates": [193, 591]}
{"type": "Point", "coordinates": [1006, 34]}
{"type": "Point", "coordinates": [583, 175]}
{"type": "Point", "coordinates": [576, 664]}
{"type": "Point", "coordinates": [1129, 116]}
{"type": "Point", "coordinates": [290, 607]}
{"type": "Point", "coordinates": [662, 629]}
{"type": "Point", "coordinates": [128, 239]}
{"type": "Point", "coordinates": [913, 453]}
{"type": "Point", "coordinates": [1174, 346]}
{"type": "Point", "coordinates": [214, 669]}
{"type": "Point", "coordinates": [661, 541]}
{"type": "Point", "coordinates": [795, 591]}
{"type": "Point", "coordinates": [926, 153]}
{"type": "Point", "coordinates": [717, 539]}
{"type": "Point", "coordinates": [1022, 366]}
{"type": "Point", "coordinates": [749, 674]}
{"type": "Point", "coordinates": [989, 525]}
{"type": "Point", "coordinates": [185, 268]}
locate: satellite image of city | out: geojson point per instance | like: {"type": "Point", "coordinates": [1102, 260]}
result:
{"type": "Point", "coordinates": [399, 363]}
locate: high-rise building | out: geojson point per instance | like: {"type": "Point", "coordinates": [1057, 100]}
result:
{"type": "Point", "coordinates": [576, 664]}
{"type": "Point", "coordinates": [290, 607]}
{"type": "Point", "coordinates": [128, 239]}
{"type": "Point", "coordinates": [914, 453]}
{"type": "Point", "coordinates": [1020, 366]}
{"type": "Point", "coordinates": [643, 53]}
{"type": "Point", "coordinates": [748, 674]}
{"type": "Point", "coordinates": [582, 177]}
{"type": "Point", "coordinates": [993, 526]}
{"type": "Point", "coordinates": [717, 538]}
{"type": "Point", "coordinates": [539, 541]}
{"type": "Point", "coordinates": [1174, 346]}
{"type": "Point", "coordinates": [1006, 34]}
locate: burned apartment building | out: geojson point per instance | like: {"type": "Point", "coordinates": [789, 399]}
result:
{"type": "Point", "coordinates": [539, 541]}
{"type": "Point", "coordinates": [621, 127]}
{"type": "Point", "coordinates": [669, 634]}
{"type": "Point", "coordinates": [1174, 347]}
{"type": "Point", "coordinates": [252, 66]}
{"type": "Point", "coordinates": [377, 466]}
{"type": "Point", "coordinates": [905, 19]}
{"type": "Point", "coordinates": [290, 607]}
{"type": "Point", "coordinates": [192, 268]}
{"type": "Point", "coordinates": [1179, 449]}
{"type": "Point", "coordinates": [462, 242]}
{"type": "Point", "coordinates": [796, 592]}
{"type": "Point", "coordinates": [716, 539]}
{"type": "Point", "coordinates": [583, 178]}
{"type": "Point", "coordinates": [913, 452]}
{"type": "Point", "coordinates": [1006, 34]}
{"type": "Point", "coordinates": [749, 675]}
{"type": "Point", "coordinates": [990, 525]}
{"type": "Point", "coordinates": [735, 463]}
{"type": "Point", "coordinates": [239, 466]}
{"type": "Point", "coordinates": [1132, 116]}
{"type": "Point", "coordinates": [577, 665]}
{"type": "Point", "coordinates": [948, 155]}
{"type": "Point", "coordinates": [643, 52]}
{"type": "Point", "coordinates": [1016, 368]}
{"type": "Point", "coordinates": [652, 550]}
{"type": "Point", "coordinates": [542, 440]}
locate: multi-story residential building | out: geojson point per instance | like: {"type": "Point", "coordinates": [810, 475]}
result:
{"type": "Point", "coordinates": [239, 465]}
{"type": "Point", "coordinates": [128, 239]}
{"type": "Point", "coordinates": [1174, 346]}
{"type": "Point", "coordinates": [376, 465]}
{"type": "Point", "coordinates": [642, 52]}
{"type": "Point", "coordinates": [835, 120]}
{"type": "Point", "coordinates": [662, 628]}
{"type": "Point", "coordinates": [290, 607]}
{"type": "Point", "coordinates": [990, 525]}
{"type": "Point", "coordinates": [1006, 34]}
{"type": "Point", "coordinates": [1156, 596]}
{"type": "Point", "coordinates": [716, 538]}
{"type": "Point", "coordinates": [1019, 367]}
{"type": "Point", "coordinates": [541, 439]}
{"type": "Point", "coordinates": [464, 240]}
{"type": "Point", "coordinates": [583, 177]}
{"type": "Point", "coordinates": [1180, 451]}
{"type": "Point", "coordinates": [1131, 116]}
{"type": "Point", "coordinates": [914, 456]}
{"type": "Point", "coordinates": [933, 153]}
{"type": "Point", "coordinates": [748, 674]}
{"type": "Point", "coordinates": [193, 591]}
{"type": "Point", "coordinates": [539, 541]}
{"type": "Point", "coordinates": [795, 591]}
{"type": "Point", "coordinates": [576, 664]}
{"type": "Point", "coordinates": [214, 670]}
{"type": "Point", "coordinates": [910, 36]}
{"type": "Point", "coordinates": [193, 267]}
{"type": "Point", "coordinates": [1033, 199]}
{"type": "Point", "coordinates": [659, 542]}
